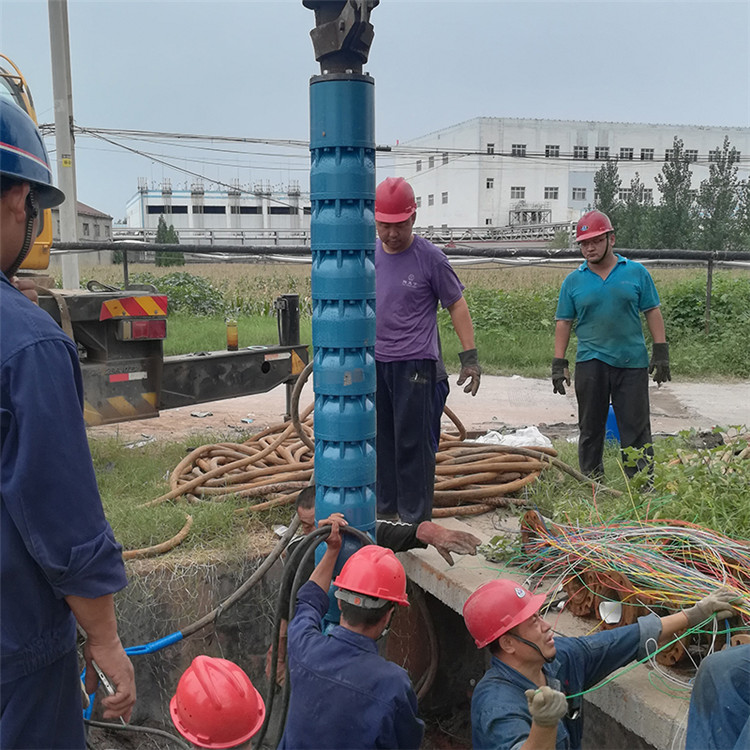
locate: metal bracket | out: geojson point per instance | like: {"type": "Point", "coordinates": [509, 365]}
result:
{"type": "Point", "coordinates": [343, 33]}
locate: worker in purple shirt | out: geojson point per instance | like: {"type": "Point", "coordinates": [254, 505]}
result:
{"type": "Point", "coordinates": [412, 277]}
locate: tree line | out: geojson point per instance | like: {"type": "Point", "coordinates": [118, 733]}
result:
{"type": "Point", "coordinates": [716, 216]}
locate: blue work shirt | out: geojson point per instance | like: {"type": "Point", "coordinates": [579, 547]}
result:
{"type": "Point", "coordinates": [344, 694]}
{"type": "Point", "coordinates": [54, 538]}
{"type": "Point", "coordinates": [500, 718]}
{"type": "Point", "coordinates": [608, 312]}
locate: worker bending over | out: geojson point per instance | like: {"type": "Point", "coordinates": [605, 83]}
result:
{"type": "Point", "coordinates": [393, 535]}
{"type": "Point", "coordinates": [521, 702]}
{"type": "Point", "coordinates": [343, 693]}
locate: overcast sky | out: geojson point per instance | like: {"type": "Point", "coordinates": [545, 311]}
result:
{"type": "Point", "coordinates": [242, 68]}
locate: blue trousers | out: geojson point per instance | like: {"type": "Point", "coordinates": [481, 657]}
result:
{"type": "Point", "coordinates": [596, 383]}
{"type": "Point", "coordinates": [719, 716]}
{"type": "Point", "coordinates": [405, 453]}
{"type": "Point", "coordinates": [42, 711]}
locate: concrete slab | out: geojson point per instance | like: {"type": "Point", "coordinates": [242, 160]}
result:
{"type": "Point", "coordinates": [631, 699]}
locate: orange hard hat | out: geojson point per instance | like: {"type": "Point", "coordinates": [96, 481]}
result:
{"type": "Point", "coordinates": [394, 200]}
{"type": "Point", "coordinates": [216, 705]}
{"type": "Point", "coordinates": [497, 607]}
{"type": "Point", "coordinates": [373, 572]}
{"type": "Point", "coordinates": [592, 224]}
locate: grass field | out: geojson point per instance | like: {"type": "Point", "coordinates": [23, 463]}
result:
{"type": "Point", "coordinates": [512, 308]}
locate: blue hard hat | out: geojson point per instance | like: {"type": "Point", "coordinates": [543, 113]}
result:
{"type": "Point", "coordinates": [23, 156]}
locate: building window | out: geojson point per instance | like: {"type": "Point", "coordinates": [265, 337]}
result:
{"type": "Point", "coordinates": [669, 154]}
{"type": "Point", "coordinates": [580, 152]}
{"type": "Point", "coordinates": [691, 154]}
{"type": "Point", "coordinates": [624, 194]}
{"type": "Point", "coordinates": [626, 154]}
{"type": "Point", "coordinates": [106, 230]}
{"type": "Point", "coordinates": [418, 201]}
{"type": "Point", "coordinates": [445, 158]}
{"type": "Point", "coordinates": [282, 210]}
{"type": "Point", "coordinates": [490, 148]}
{"type": "Point", "coordinates": [490, 183]}
{"type": "Point", "coordinates": [517, 193]}
{"type": "Point", "coordinates": [96, 230]}
{"type": "Point", "coordinates": [518, 149]}
{"type": "Point", "coordinates": [419, 165]}
{"type": "Point", "coordinates": [431, 162]}
{"type": "Point", "coordinates": [648, 195]}
{"type": "Point", "coordinates": [551, 193]}
{"type": "Point", "coordinates": [488, 222]}
{"type": "Point", "coordinates": [601, 152]}
{"type": "Point", "coordinates": [445, 198]}
{"type": "Point", "coordinates": [197, 209]}
{"type": "Point", "coordinates": [214, 209]}
{"type": "Point", "coordinates": [85, 229]}
{"type": "Point", "coordinates": [430, 200]}
{"type": "Point", "coordinates": [647, 154]}
{"type": "Point", "coordinates": [552, 152]}
{"type": "Point", "coordinates": [250, 210]}
{"type": "Point", "coordinates": [579, 194]}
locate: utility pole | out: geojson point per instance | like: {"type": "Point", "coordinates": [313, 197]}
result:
{"type": "Point", "coordinates": [66, 170]}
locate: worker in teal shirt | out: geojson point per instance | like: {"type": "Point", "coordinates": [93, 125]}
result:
{"type": "Point", "coordinates": [606, 295]}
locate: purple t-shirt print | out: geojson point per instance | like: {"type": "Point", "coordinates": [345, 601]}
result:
{"type": "Point", "coordinates": [409, 286]}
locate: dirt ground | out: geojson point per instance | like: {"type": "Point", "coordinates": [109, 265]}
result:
{"type": "Point", "coordinates": [502, 403]}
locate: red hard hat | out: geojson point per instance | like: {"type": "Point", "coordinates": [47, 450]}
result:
{"type": "Point", "coordinates": [592, 224]}
{"type": "Point", "coordinates": [394, 200]}
{"type": "Point", "coordinates": [216, 705]}
{"type": "Point", "coordinates": [493, 609]}
{"type": "Point", "coordinates": [375, 572]}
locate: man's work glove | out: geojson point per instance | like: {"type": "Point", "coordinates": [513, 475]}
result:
{"type": "Point", "coordinates": [719, 603]}
{"type": "Point", "coordinates": [446, 541]}
{"type": "Point", "coordinates": [659, 363]}
{"type": "Point", "coordinates": [546, 706]}
{"type": "Point", "coordinates": [560, 375]}
{"type": "Point", "coordinates": [469, 369]}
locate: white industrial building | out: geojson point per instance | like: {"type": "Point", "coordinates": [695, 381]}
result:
{"type": "Point", "coordinates": [488, 172]}
{"type": "Point", "coordinates": [221, 214]}
{"type": "Point", "coordinates": [500, 171]}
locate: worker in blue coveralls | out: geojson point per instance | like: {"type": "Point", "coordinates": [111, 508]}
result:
{"type": "Point", "coordinates": [343, 693]}
{"type": "Point", "coordinates": [59, 559]}
{"type": "Point", "coordinates": [521, 702]}
{"type": "Point", "coordinates": [412, 276]}
{"type": "Point", "coordinates": [719, 715]}
{"type": "Point", "coordinates": [606, 295]}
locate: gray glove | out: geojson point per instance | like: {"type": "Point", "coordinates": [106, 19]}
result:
{"type": "Point", "coordinates": [719, 603]}
{"type": "Point", "coordinates": [560, 375]}
{"type": "Point", "coordinates": [659, 363]}
{"type": "Point", "coordinates": [546, 706]}
{"type": "Point", "coordinates": [469, 369]}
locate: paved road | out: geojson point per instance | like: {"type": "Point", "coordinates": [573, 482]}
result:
{"type": "Point", "coordinates": [501, 402]}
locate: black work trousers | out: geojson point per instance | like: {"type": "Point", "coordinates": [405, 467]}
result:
{"type": "Point", "coordinates": [405, 453]}
{"type": "Point", "coordinates": [596, 384]}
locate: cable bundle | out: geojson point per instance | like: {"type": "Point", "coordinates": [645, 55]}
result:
{"type": "Point", "coordinates": [642, 566]}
